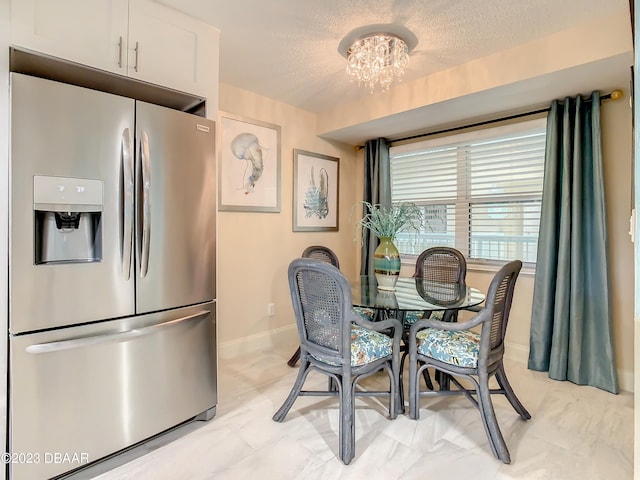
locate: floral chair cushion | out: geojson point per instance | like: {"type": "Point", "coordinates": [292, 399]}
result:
{"type": "Point", "coordinates": [366, 346]}
{"type": "Point", "coordinates": [413, 316]}
{"type": "Point", "coordinates": [365, 313]}
{"type": "Point", "coordinates": [455, 348]}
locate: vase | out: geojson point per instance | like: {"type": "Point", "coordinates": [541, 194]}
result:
{"type": "Point", "coordinates": [386, 299]}
{"type": "Point", "coordinates": [386, 264]}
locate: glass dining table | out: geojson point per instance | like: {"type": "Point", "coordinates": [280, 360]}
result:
{"type": "Point", "coordinates": [412, 294]}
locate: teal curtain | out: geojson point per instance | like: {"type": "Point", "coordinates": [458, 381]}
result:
{"type": "Point", "coordinates": [571, 327]}
{"type": "Point", "coordinates": [377, 190]}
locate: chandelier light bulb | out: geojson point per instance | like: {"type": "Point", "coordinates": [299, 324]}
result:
{"type": "Point", "coordinates": [377, 58]}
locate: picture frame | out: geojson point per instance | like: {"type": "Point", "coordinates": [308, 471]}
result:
{"type": "Point", "coordinates": [249, 168]}
{"type": "Point", "coordinates": [315, 192]}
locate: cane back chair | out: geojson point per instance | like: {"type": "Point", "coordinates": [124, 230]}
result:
{"type": "Point", "coordinates": [439, 264]}
{"type": "Point", "coordinates": [337, 342]}
{"type": "Point", "coordinates": [325, 254]}
{"type": "Point", "coordinates": [462, 353]}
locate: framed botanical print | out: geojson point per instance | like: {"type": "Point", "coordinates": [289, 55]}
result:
{"type": "Point", "coordinates": [315, 192]}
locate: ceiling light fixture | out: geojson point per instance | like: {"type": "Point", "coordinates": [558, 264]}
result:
{"type": "Point", "coordinates": [377, 57]}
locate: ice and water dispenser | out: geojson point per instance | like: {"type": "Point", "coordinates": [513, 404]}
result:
{"type": "Point", "coordinates": [67, 215]}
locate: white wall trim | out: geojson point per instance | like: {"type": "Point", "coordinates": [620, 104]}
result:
{"type": "Point", "coordinates": [520, 353]}
{"type": "Point", "coordinates": [283, 336]}
{"type": "Point", "coordinates": [516, 352]}
{"type": "Point", "coordinates": [287, 336]}
{"type": "Point", "coordinates": [626, 381]}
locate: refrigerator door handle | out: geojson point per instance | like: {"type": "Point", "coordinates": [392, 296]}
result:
{"type": "Point", "coordinates": [127, 202]}
{"type": "Point", "coordinates": [81, 342]}
{"type": "Point", "coordinates": [145, 165]}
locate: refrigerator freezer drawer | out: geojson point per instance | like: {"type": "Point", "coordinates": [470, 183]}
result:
{"type": "Point", "coordinates": [89, 391]}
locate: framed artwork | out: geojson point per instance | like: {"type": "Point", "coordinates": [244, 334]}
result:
{"type": "Point", "coordinates": [315, 192]}
{"type": "Point", "coordinates": [249, 173]}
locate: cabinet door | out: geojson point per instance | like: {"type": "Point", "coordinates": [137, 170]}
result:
{"type": "Point", "coordinates": [169, 48]}
{"type": "Point", "coordinates": [89, 32]}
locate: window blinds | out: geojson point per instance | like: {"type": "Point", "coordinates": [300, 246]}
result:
{"type": "Point", "coordinates": [479, 192]}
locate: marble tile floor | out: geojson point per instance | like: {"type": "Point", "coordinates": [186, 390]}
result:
{"type": "Point", "coordinates": [575, 433]}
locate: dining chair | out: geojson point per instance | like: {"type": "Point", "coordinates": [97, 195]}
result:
{"type": "Point", "coordinates": [337, 342]}
{"type": "Point", "coordinates": [325, 254]}
{"type": "Point", "coordinates": [444, 265]}
{"type": "Point", "coordinates": [439, 264]}
{"type": "Point", "coordinates": [457, 350]}
{"type": "Point", "coordinates": [319, 252]}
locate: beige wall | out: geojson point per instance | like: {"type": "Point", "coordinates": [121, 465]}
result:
{"type": "Point", "coordinates": [618, 160]}
{"type": "Point", "coordinates": [254, 249]}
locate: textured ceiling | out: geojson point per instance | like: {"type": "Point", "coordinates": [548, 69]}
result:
{"type": "Point", "coordinates": [287, 49]}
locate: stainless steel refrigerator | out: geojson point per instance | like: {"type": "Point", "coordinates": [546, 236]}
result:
{"type": "Point", "coordinates": [112, 274]}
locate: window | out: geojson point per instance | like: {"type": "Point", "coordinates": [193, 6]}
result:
{"type": "Point", "coordinates": [480, 192]}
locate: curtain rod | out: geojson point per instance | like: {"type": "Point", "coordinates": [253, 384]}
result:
{"type": "Point", "coordinates": [614, 95]}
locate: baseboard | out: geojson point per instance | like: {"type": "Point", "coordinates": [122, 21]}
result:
{"type": "Point", "coordinates": [287, 336]}
{"type": "Point", "coordinates": [283, 336]}
{"type": "Point", "coordinates": [516, 352]}
{"type": "Point", "coordinates": [520, 353]}
{"type": "Point", "coordinates": [626, 381]}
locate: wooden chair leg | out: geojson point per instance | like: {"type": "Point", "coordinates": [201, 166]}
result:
{"type": "Point", "coordinates": [488, 414]}
{"type": "Point", "coordinates": [501, 376]}
{"type": "Point", "coordinates": [427, 379]}
{"type": "Point", "coordinates": [396, 401]}
{"type": "Point", "coordinates": [295, 391]}
{"type": "Point", "coordinates": [294, 358]}
{"type": "Point", "coordinates": [444, 380]}
{"type": "Point", "coordinates": [425, 375]}
{"type": "Point", "coordinates": [414, 388]}
{"type": "Point", "coordinates": [400, 406]}
{"type": "Point", "coordinates": [346, 427]}
{"type": "Point", "coordinates": [332, 384]}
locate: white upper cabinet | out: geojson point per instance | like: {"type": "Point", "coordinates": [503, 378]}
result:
{"type": "Point", "coordinates": [83, 31]}
{"type": "Point", "coordinates": [170, 48]}
{"type": "Point", "coordinates": [137, 38]}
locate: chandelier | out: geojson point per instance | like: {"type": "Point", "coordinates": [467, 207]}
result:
{"type": "Point", "coordinates": [377, 54]}
{"type": "Point", "coordinates": [377, 58]}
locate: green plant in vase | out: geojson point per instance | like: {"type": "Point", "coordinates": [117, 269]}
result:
{"type": "Point", "coordinates": [385, 223]}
